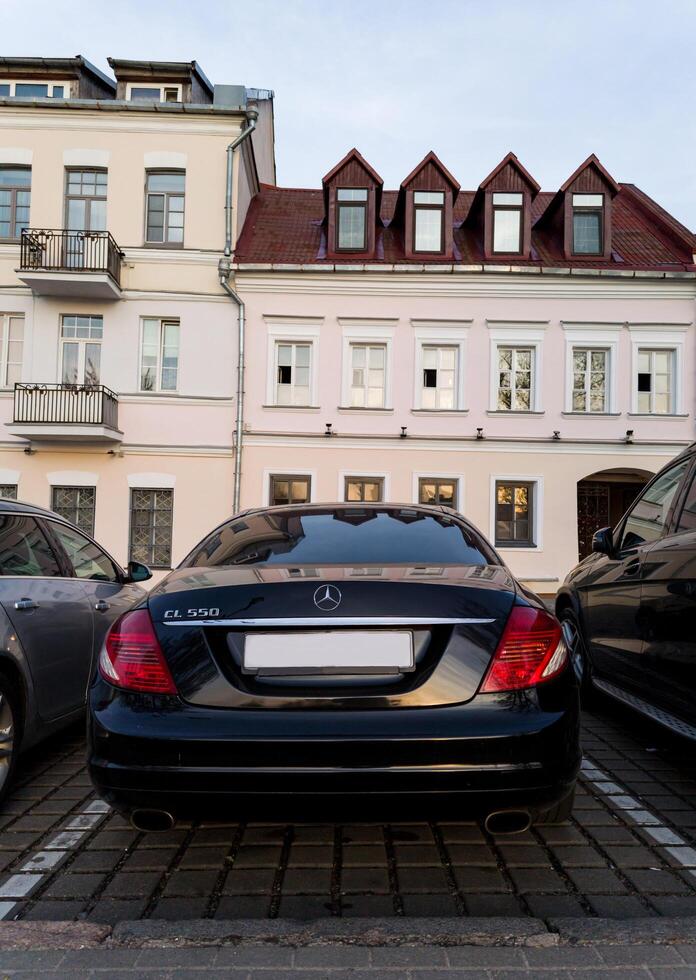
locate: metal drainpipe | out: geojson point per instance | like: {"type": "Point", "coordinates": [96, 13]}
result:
{"type": "Point", "coordinates": [224, 269]}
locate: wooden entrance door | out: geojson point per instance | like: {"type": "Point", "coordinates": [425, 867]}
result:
{"type": "Point", "coordinates": [593, 513]}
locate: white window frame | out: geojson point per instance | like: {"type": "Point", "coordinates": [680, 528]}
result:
{"type": "Point", "coordinates": [527, 335]}
{"type": "Point", "coordinates": [652, 337]}
{"type": "Point", "coordinates": [4, 346]}
{"type": "Point", "coordinates": [364, 475]}
{"type": "Point", "coordinates": [158, 389]}
{"type": "Point", "coordinates": [438, 475]}
{"type": "Point", "coordinates": [160, 85]}
{"type": "Point", "coordinates": [589, 336]}
{"type": "Point", "coordinates": [82, 344]}
{"type": "Point", "coordinates": [537, 510]}
{"type": "Point", "coordinates": [438, 333]}
{"type": "Point", "coordinates": [293, 345]}
{"type": "Point", "coordinates": [37, 81]}
{"type": "Point", "coordinates": [366, 332]}
{"type": "Point", "coordinates": [289, 331]}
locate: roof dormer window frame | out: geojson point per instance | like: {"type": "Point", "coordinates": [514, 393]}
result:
{"type": "Point", "coordinates": [165, 90]}
{"type": "Point", "coordinates": [345, 202]}
{"type": "Point", "coordinates": [581, 203]}
{"type": "Point", "coordinates": [426, 204]}
{"type": "Point", "coordinates": [62, 85]}
{"type": "Point", "coordinates": [504, 205]}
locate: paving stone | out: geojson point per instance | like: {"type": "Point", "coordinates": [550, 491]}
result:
{"type": "Point", "coordinates": [544, 906]}
{"type": "Point", "coordinates": [304, 907]}
{"type": "Point", "coordinates": [95, 861]}
{"type": "Point", "coordinates": [631, 857]}
{"type": "Point", "coordinates": [496, 906]}
{"type": "Point", "coordinates": [366, 906]}
{"type": "Point", "coordinates": [249, 881]}
{"type": "Point", "coordinates": [252, 856]}
{"type": "Point", "coordinates": [578, 857]}
{"type": "Point", "coordinates": [243, 907]}
{"type": "Point", "coordinates": [619, 906]}
{"type": "Point", "coordinates": [199, 957]}
{"type": "Point", "coordinates": [191, 883]}
{"type": "Point", "coordinates": [73, 886]}
{"type": "Point", "coordinates": [363, 834]}
{"type": "Point", "coordinates": [434, 906]}
{"type": "Point", "coordinates": [259, 834]}
{"type": "Point", "coordinates": [174, 909]}
{"type": "Point", "coordinates": [481, 880]}
{"type": "Point", "coordinates": [561, 834]}
{"type": "Point", "coordinates": [133, 885]}
{"type": "Point", "coordinates": [538, 880]}
{"type": "Point", "coordinates": [415, 855]}
{"type": "Point", "coordinates": [408, 956]}
{"type": "Point", "coordinates": [657, 882]}
{"type": "Point", "coordinates": [597, 881]}
{"type": "Point", "coordinates": [359, 855]}
{"type": "Point", "coordinates": [214, 835]}
{"type": "Point", "coordinates": [462, 833]}
{"type": "Point", "coordinates": [674, 906]}
{"type": "Point", "coordinates": [311, 856]}
{"type": "Point", "coordinates": [364, 880]}
{"type": "Point", "coordinates": [526, 856]}
{"type": "Point", "coordinates": [313, 834]}
{"type": "Point", "coordinates": [417, 880]}
{"type": "Point", "coordinates": [471, 854]}
{"type": "Point", "coordinates": [204, 857]}
{"type": "Point", "coordinates": [307, 881]}
{"type": "Point", "coordinates": [147, 859]}
{"type": "Point", "coordinates": [113, 910]}
{"type": "Point", "coordinates": [54, 910]}
{"type": "Point", "coordinates": [256, 956]}
{"type": "Point", "coordinates": [325, 957]}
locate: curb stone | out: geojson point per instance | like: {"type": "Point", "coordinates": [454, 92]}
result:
{"type": "Point", "coordinates": [52, 935]}
{"type": "Point", "coordinates": [615, 932]}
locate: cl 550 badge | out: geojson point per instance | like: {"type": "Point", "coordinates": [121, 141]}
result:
{"type": "Point", "coordinates": [191, 613]}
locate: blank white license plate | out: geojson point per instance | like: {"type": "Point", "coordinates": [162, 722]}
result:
{"type": "Point", "coordinates": [329, 651]}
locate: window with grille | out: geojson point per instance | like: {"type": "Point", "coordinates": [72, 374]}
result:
{"type": "Point", "coordinates": [368, 375]}
{"type": "Point", "coordinates": [11, 348]}
{"type": "Point", "coordinates": [292, 368]}
{"type": "Point", "coordinates": [590, 380]}
{"type": "Point", "coordinates": [514, 515]}
{"type": "Point", "coordinates": [15, 201]}
{"type": "Point", "coordinates": [515, 378]}
{"type": "Point", "coordinates": [439, 389]}
{"type": "Point", "coordinates": [8, 491]}
{"type": "Point", "coordinates": [159, 355]}
{"type": "Point", "coordinates": [364, 488]}
{"type": "Point", "coordinates": [151, 527]}
{"type": "Point", "coordinates": [164, 224]}
{"type": "Point", "coordinates": [290, 489]}
{"type": "Point", "coordinates": [75, 504]}
{"type": "Point", "coordinates": [432, 490]}
{"type": "Point", "coordinates": [655, 382]}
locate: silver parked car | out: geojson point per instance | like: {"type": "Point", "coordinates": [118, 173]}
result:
{"type": "Point", "coordinates": [59, 593]}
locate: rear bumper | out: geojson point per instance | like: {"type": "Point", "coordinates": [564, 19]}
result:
{"type": "Point", "coordinates": [473, 758]}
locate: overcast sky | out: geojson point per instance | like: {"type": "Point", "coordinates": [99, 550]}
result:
{"type": "Point", "coordinates": [552, 80]}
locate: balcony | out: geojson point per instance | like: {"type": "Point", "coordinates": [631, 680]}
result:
{"type": "Point", "coordinates": [65, 413]}
{"type": "Point", "coordinates": [70, 263]}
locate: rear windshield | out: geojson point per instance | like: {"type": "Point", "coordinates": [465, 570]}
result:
{"type": "Point", "coordinates": [343, 537]}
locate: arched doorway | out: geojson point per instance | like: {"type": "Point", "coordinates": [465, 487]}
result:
{"type": "Point", "coordinates": [603, 498]}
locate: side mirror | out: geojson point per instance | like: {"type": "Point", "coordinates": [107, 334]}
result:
{"type": "Point", "coordinates": [603, 542]}
{"type": "Point", "coordinates": [137, 572]}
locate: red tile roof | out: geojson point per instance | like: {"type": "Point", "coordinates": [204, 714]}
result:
{"type": "Point", "coordinates": [286, 225]}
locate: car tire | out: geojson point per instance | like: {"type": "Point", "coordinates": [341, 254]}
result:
{"type": "Point", "coordinates": [577, 651]}
{"type": "Point", "coordinates": [9, 732]}
{"type": "Point", "coordinates": [561, 813]}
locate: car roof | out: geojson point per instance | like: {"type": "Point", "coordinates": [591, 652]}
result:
{"type": "Point", "coordinates": [8, 506]}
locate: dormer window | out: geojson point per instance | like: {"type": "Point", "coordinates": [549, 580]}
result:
{"type": "Point", "coordinates": [428, 221]}
{"type": "Point", "coordinates": [154, 93]}
{"type": "Point", "coordinates": [34, 90]}
{"type": "Point", "coordinates": [351, 219]}
{"type": "Point", "coordinates": [507, 222]}
{"type": "Point", "coordinates": [588, 211]}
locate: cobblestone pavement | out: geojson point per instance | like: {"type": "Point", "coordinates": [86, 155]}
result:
{"type": "Point", "coordinates": [629, 852]}
{"type": "Point", "coordinates": [357, 963]}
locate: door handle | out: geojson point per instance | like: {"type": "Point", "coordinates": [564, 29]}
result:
{"type": "Point", "coordinates": [102, 606]}
{"type": "Point", "coordinates": [632, 567]}
{"type": "Point", "coordinates": [26, 604]}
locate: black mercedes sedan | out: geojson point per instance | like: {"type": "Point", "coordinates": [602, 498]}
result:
{"type": "Point", "coordinates": [337, 656]}
{"type": "Point", "coordinates": [628, 609]}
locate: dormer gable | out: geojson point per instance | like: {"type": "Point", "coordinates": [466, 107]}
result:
{"type": "Point", "coordinates": [352, 200]}
{"type": "Point", "coordinates": [502, 209]}
{"type": "Point", "coordinates": [585, 202]}
{"type": "Point", "coordinates": [424, 209]}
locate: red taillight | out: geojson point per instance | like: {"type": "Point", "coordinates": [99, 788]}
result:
{"type": "Point", "coordinates": [531, 650]}
{"type": "Point", "coordinates": [131, 656]}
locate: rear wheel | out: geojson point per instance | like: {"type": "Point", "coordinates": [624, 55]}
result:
{"type": "Point", "coordinates": [9, 717]}
{"type": "Point", "coordinates": [577, 651]}
{"type": "Point", "coordinates": [561, 813]}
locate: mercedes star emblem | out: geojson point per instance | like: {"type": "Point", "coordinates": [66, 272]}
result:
{"type": "Point", "coordinates": [327, 598]}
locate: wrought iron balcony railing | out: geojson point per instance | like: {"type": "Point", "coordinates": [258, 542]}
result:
{"type": "Point", "coordinates": [61, 250]}
{"type": "Point", "coordinates": [65, 404]}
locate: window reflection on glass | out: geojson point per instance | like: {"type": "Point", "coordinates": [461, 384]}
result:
{"type": "Point", "coordinates": [436, 491]}
{"type": "Point", "coordinates": [81, 349]}
{"type": "Point", "coordinates": [290, 490]}
{"type": "Point", "coordinates": [648, 517]}
{"type": "Point", "coordinates": [515, 378]}
{"type": "Point", "coordinates": [368, 489]}
{"type": "Point", "coordinates": [165, 207]}
{"type": "Point", "coordinates": [590, 380]}
{"type": "Point", "coordinates": [159, 355]}
{"type": "Point", "coordinates": [514, 514]}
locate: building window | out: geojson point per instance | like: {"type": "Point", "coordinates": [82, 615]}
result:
{"type": "Point", "coordinates": [514, 515]}
{"type": "Point", "coordinates": [587, 224]}
{"type": "Point", "coordinates": [433, 490]}
{"type": "Point", "coordinates": [293, 373]}
{"type": "Point", "coordinates": [590, 380]}
{"type": "Point", "coordinates": [351, 219]}
{"type": "Point", "coordinates": [515, 378]}
{"type": "Point", "coordinates": [369, 489]}
{"type": "Point", "coordinates": [81, 338]}
{"type": "Point", "coordinates": [151, 527]}
{"type": "Point", "coordinates": [290, 489]}
{"type": "Point", "coordinates": [34, 90]}
{"type": "Point", "coordinates": [85, 202]}
{"type": "Point", "coordinates": [75, 504]}
{"type": "Point", "coordinates": [507, 223]}
{"type": "Point", "coordinates": [439, 377]}
{"type": "Point", "coordinates": [15, 200]}
{"type": "Point", "coordinates": [655, 382]}
{"type": "Point", "coordinates": [11, 349]}
{"type": "Point", "coordinates": [159, 358]}
{"type": "Point", "coordinates": [368, 375]}
{"type": "Point", "coordinates": [8, 491]}
{"type": "Point", "coordinates": [428, 221]}
{"type": "Point", "coordinates": [154, 93]}
{"type": "Point", "coordinates": [165, 208]}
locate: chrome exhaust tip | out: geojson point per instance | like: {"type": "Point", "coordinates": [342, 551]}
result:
{"type": "Point", "coordinates": [507, 822]}
{"type": "Point", "coordinates": [151, 821]}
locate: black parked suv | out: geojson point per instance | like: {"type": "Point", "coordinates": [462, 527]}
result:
{"type": "Point", "coordinates": [629, 609]}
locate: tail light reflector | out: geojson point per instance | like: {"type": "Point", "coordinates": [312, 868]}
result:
{"type": "Point", "coordinates": [131, 657]}
{"type": "Point", "coordinates": [531, 650]}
